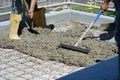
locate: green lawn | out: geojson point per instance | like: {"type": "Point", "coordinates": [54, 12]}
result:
{"type": "Point", "coordinates": [93, 10]}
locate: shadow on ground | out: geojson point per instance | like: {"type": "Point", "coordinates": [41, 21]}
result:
{"type": "Point", "coordinates": [110, 32]}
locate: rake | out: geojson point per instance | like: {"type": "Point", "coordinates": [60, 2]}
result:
{"type": "Point", "coordinates": [75, 47]}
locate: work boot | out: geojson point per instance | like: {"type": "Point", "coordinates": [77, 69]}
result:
{"type": "Point", "coordinates": [39, 18]}
{"type": "Point", "coordinates": [14, 25]}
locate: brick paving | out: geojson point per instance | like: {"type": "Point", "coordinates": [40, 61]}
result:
{"type": "Point", "coordinates": [18, 66]}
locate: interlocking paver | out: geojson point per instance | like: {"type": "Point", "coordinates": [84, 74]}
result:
{"type": "Point", "coordinates": [8, 50]}
{"type": "Point", "coordinates": [21, 60]}
{"type": "Point", "coordinates": [3, 59]}
{"type": "Point", "coordinates": [18, 78]}
{"type": "Point", "coordinates": [18, 66]}
{"type": "Point", "coordinates": [14, 57]}
{"type": "Point", "coordinates": [2, 52]}
{"type": "Point", "coordinates": [37, 67]}
{"type": "Point", "coordinates": [5, 54]}
{"type": "Point", "coordinates": [36, 78]}
{"type": "Point", "coordinates": [12, 63]}
{"type": "Point", "coordinates": [46, 76]}
{"type": "Point", "coordinates": [29, 63]}
{"type": "Point", "coordinates": [3, 72]}
{"type": "Point", "coordinates": [8, 76]}
{"type": "Point", "coordinates": [2, 78]}
{"type": "Point", "coordinates": [3, 66]}
{"type": "Point", "coordinates": [18, 73]}
{"type": "Point", "coordinates": [27, 76]}
{"type": "Point", "coordinates": [11, 69]}
{"type": "Point", "coordinates": [37, 73]}
{"type": "Point", "coordinates": [29, 70]}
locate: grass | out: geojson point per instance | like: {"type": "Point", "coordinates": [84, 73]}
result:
{"type": "Point", "coordinates": [93, 10]}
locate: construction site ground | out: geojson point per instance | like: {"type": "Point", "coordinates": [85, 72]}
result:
{"type": "Point", "coordinates": [45, 45]}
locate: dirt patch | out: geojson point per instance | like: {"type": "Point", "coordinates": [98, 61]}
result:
{"type": "Point", "coordinates": [45, 45]}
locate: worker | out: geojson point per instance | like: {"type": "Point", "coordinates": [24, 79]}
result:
{"type": "Point", "coordinates": [15, 16]}
{"type": "Point", "coordinates": [104, 7]}
{"type": "Point", "coordinates": [38, 15]}
{"type": "Point", "coordinates": [35, 14]}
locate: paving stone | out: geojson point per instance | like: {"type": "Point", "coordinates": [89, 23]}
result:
{"type": "Point", "coordinates": [12, 63]}
{"type": "Point", "coordinates": [18, 73]}
{"type": "Point", "coordinates": [18, 78]}
{"type": "Point", "coordinates": [39, 61]}
{"type": "Point", "coordinates": [9, 76]}
{"type": "Point", "coordinates": [1, 58]}
{"type": "Point", "coordinates": [2, 78]}
{"type": "Point", "coordinates": [36, 78]}
{"type": "Point", "coordinates": [11, 69]}
{"type": "Point", "coordinates": [21, 60]}
{"type": "Point", "coordinates": [8, 50]}
{"type": "Point", "coordinates": [16, 53]}
{"type": "Point", "coordinates": [6, 55]}
{"type": "Point", "coordinates": [4, 66]}
{"type": "Point", "coordinates": [21, 66]}
{"type": "Point", "coordinates": [27, 58]}
{"type": "Point", "coordinates": [28, 70]}
{"type": "Point", "coordinates": [14, 57]}
{"type": "Point", "coordinates": [37, 67]}
{"type": "Point", "coordinates": [46, 76]}
{"type": "Point", "coordinates": [18, 66]}
{"type": "Point", "coordinates": [37, 73]}
{"type": "Point", "coordinates": [2, 52]}
{"type": "Point", "coordinates": [32, 59]}
{"type": "Point", "coordinates": [27, 76]}
{"type": "Point", "coordinates": [46, 70]}
{"type": "Point", "coordinates": [3, 72]}
{"type": "Point", "coordinates": [29, 64]}
{"type": "Point", "coordinates": [5, 60]}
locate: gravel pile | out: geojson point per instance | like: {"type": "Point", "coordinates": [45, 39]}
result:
{"type": "Point", "coordinates": [45, 45]}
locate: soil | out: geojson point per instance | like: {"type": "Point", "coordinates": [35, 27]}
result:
{"type": "Point", "coordinates": [45, 45]}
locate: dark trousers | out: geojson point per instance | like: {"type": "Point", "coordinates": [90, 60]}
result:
{"type": "Point", "coordinates": [117, 34]}
{"type": "Point", "coordinates": [117, 31]}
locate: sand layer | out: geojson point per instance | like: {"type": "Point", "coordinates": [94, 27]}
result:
{"type": "Point", "coordinates": [45, 45]}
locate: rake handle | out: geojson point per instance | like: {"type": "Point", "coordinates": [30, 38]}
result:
{"type": "Point", "coordinates": [94, 20]}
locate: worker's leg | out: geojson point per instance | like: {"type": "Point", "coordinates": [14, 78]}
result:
{"type": "Point", "coordinates": [117, 33]}
{"type": "Point", "coordinates": [15, 19]}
